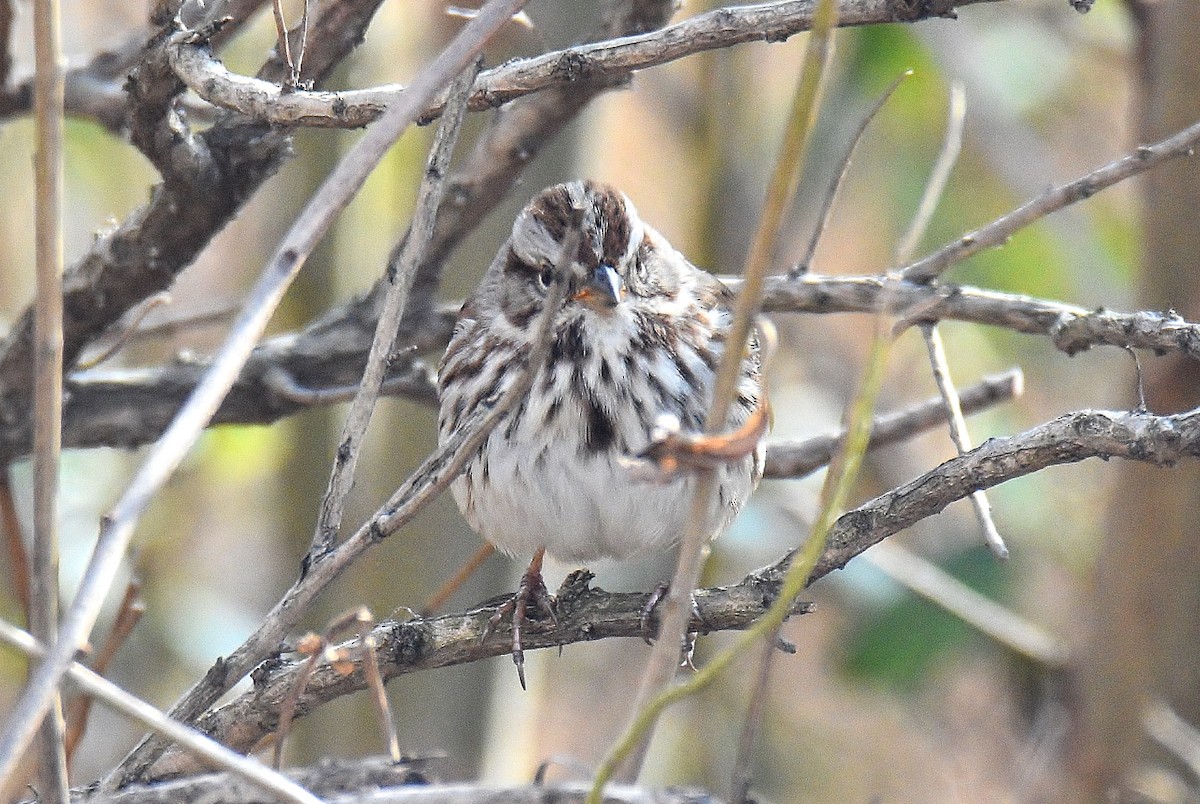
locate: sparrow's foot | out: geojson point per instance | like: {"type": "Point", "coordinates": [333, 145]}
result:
{"type": "Point", "coordinates": [530, 592]}
{"type": "Point", "coordinates": [648, 621]}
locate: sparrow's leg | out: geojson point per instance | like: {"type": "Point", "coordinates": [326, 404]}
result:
{"type": "Point", "coordinates": [531, 591]}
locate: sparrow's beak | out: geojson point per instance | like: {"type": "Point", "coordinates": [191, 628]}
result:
{"type": "Point", "coordinates": [602, 290]}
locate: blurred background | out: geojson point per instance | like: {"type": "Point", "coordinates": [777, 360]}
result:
{"type": "Point", "coordinates": [888, 697]}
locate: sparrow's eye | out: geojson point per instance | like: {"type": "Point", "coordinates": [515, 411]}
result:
{"type": "Point", "coordinates": [546, 275]}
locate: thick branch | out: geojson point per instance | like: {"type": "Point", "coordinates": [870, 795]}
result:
{"type": "Point", "coordinates": [210, 176]}
{"type": "Point", "coordinates": [130, 407]}
{"type": "Point", "coordinates": [1072, 329]}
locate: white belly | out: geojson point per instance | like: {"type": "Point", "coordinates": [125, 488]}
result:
{"type": "Point", "coordinates": [581, 509]}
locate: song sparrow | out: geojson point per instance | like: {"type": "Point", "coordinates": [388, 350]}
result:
{"type": "Point", "coordinates": [639, 334]}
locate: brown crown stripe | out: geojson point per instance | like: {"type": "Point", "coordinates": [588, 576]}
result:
{"type": "Point", "coordinates": [552, 208]}
{"type": "Point", "coordinates": [613, 219]}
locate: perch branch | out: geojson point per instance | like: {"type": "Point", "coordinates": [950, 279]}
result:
{"type": "Point", "coordinates": [587, 614]}
{"type": "Point", "coordinates": [584, 614]}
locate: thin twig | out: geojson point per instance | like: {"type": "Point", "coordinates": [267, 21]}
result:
{"type": "Point", "coordinates": [447, 590]}
{"type": "Point", "coordinates": [284, 47]}
{"type": "Point", "coordinates": [744, 758]}
{"type": "Point", "coordinates": [169, 450]}
{"type": "Point", "coordinates": [128, 615]}
{"type": "Point", "coordinates": [127, 330]}
{"type": "Point", "coordinates": [317, 647]}
{"type": "Point", "coordinates": [358, 418]}
{"type": "Point", "coordinates": [428, 481]}
{"type": "Point", "coordinates": [387, 726]}
{"type": "Point", "coordinates": [18, 558]}
{"type": "Point", "coordinates": [999, 231]}
{"type": "Point", "coordinates": [630, 749]}
{"type": "Point", "coordinates": [138, 710]}
{"type": "Point", "coordinates": [279, 382]}
{"type": "Point", "coordinates": [287, 708]}
{"type": "Point", "coordinates": [958, 433]}
{"type": "Point", "coordinates": [835, 184]}
{"type": "Point", "coordinates": [938, 177]}
{"type": "Point", "coordinates": [303, 44]}
{"type": "Point", "coordinates": [987, 616]}
{"type": "Point", "coordinates": [48, 369]}
{"type": "Point", "coordinates": [939, 363]}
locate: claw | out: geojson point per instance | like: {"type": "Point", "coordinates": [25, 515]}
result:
{"type": "Point", "coordinates": [532, 589]}
{"type": "Point", "coordinates": [644, 621]}
{"type": "Point", "coordinates": [647, 616]}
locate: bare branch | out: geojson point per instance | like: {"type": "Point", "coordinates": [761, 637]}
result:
{"type": "Point", "coordinates": [607, 62]}
{"type": "Point", "coordinates": [1071, 328]}
{"type": "Point", "coordinates": [136, 709]}
{"type": "Point", "coordinates": [399, 283]}
{"type": "Point", "coordinates": [129, 407]}
{"type": "Point", "coordinates": [128, 615]}
{"type": "Point", "coordinates": [196, 413]}
{"type": "Point", "coordinates": [1133, 435]}
{"type": "Point", "coordinates": [940, 364]}
{"type": "Point", "coordinates": [793, 459]}
{"type": "Point", "coordinates": [587, 614]}
{"type": "Point", "coordinates": [584, 614]}
{"type": "Point", "coordinates": [999, 231]}
{"type": "Point", "coordinates": [835, 183]}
